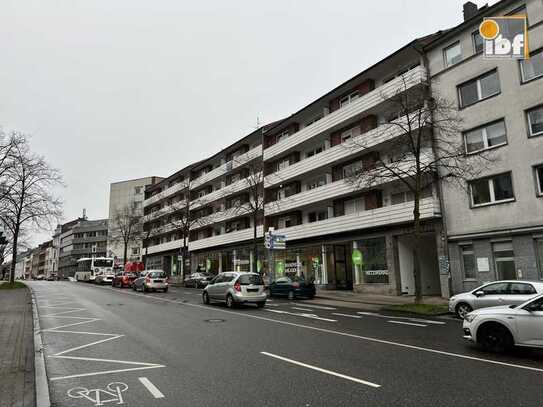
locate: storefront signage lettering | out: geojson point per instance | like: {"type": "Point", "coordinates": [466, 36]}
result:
{"type": "Point", "coordinates": [376, 272]}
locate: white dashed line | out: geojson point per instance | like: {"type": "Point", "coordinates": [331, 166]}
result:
{"type": "Point", "coordinates": [318, 369]}
{"type": "Point", "coordinates": [406, 323]}
{"type": "Point", "coordinates": [346, 315]}
{"type": "Point", "coordinates": [157, 394]}
{"type": "Point", "coordinates": [301, 309]}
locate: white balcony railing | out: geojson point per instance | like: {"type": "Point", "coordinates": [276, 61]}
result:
{"type": "Point", "coordinates": [164, 211]}
{"type": "Point", "coordinates": [222, 216]}
{"type": "Point", "coordinates": [164, 194]}
{"type": "Point", "coordinates": [227, 167]}
{"type": "Point", "coordinates": [388, 215]}
{"type": "Point", "coordinates": [337, 118]}
{"type": "Point", "coordinates": [224, 192]}
{"type": "Point", "coordinates": [340, 188]}
{"type": "Point", "coordinates": [381, 134]}
{"type": "Point", "coordinates": [172, 245]}
{"type": "Point", "coordinates": [226, 238]}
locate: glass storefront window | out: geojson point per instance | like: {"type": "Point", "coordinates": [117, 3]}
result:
{"type": "Point", "coordinates": [375, 269]}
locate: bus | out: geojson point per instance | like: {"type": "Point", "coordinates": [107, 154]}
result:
{"type": "Point", "coordinates": [89, 268]}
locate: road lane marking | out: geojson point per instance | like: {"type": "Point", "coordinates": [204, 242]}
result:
{"type": "Point", "coordinates": [157, 394]}
{"type": "Point", "coordinates": [301, 309]}
{"type": "Point", "coordinates": [316, 306]}
{"type": "Point", "coordinates": [347, 315]}
{"type": "Point", "coordinates": [349, 335]}
{"type": "Point", "coordinates": [311, 316]}
{"type": "Point", "coordinates": [132, 369]}
{"type": "Point", "coordinates": [406, 323]}
{"type": "Point", "coordinates": [425, 321]}
{"type": "Point", "coordinates": [318, 369]}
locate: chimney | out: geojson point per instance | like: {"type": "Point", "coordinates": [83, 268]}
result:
{"type": "Point", "coordinates": [469, 10]}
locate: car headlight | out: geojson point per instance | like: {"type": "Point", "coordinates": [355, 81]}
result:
{"type": "Point", "coordinates": [470, 317]}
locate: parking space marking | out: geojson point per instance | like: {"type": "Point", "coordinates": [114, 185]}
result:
{"type": "Point", "coordinates": [317, 306]}
{"type": "Point", "coordinates": [157, 394]}
{"type": "Point", "coordinates": [424, 321]}
{"type": "Point", "coordinates": [406, 323]}
{"type": "Point", "coordinates": [318, 369]}
{"type": "Point", "coordinates": [346, 315]}
{"type": "Point", "coordinates": [311, 316]}
{"type": "Point", "coordinates": [81, 321]}
{"type": "Point", "coordinates": [302, 309]}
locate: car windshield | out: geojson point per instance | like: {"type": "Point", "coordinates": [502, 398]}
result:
{"type": "Point", "coordinates": [157, 274]}
{"type": "Point", "coordinates": [103, 263]}
{"type": "Point", "coordinates": [247, 279]}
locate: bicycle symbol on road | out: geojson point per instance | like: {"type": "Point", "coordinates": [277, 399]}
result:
{"type": "Point", "coordinates": [99, 396]}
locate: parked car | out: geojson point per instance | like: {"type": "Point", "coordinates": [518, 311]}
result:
{"type": "Point", "coordinates": [51, 277]}
{"type": "Point", "coordinates": [104, 277]}
{"type": "Point", "coordinates": [198, 280]}
{"type": "Point", "coordinates": [236, 288]}
{"type": "Point", "coordinates": [151, 280]}
{"type": "Point", "coordinates": [292, 287]}
{"type": "Point", "coordinates": [505, 292]}
{"type": "Point", "coordinates": [124, 279]}
{"type": "Point", "coordinates": [500, 328]}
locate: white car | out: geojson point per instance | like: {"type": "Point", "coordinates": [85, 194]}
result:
{"type": "Point", "coordinates": [505, 292]}
{"type": "Point", "coordinates": [500, 328]}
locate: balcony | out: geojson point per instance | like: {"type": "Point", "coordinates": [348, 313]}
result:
{"type": "Point", "coordinates": [385, 216]}
{"type": "Point", "coordinates": [337, 118]}
{"type": "Point", "coordinates": [172, 245]}
{"type": "Point", "coordinates": [336, 154]}
{"type": "Point", "coordinates": [226, 238]}
{"type": "Point", "coordinates": [164, 194]}
{"type": "Point", "coordinates": [223, 192]}
{"type": "Point", "coordinates": [227, 167]}
{"type": "Point", "coordinates": [221, 216]}
{"type": "Point", "coordinates": [164, 211]}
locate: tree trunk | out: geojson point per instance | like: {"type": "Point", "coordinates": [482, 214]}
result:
{"type": "Point", "coordinates": [125, 254]}
{"type": "Point", "coordinates": [416, 250]}
{"type": "Point", "coordinates": [14, 255]}
{"type": "Point", "coordinates": [186, 258]}
{"type": "Point", "coordinates": [255, 244]}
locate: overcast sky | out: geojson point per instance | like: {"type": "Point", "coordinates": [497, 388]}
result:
{"type": "Point", "coordinates": [117, 89]}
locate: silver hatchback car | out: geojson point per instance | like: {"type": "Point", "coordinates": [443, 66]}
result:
{"type": "Point", "coordinates": [505, 292]}
{"type": "Point", "coordinates": [236, 288]}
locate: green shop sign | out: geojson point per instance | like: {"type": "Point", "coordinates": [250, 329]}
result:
{"type": "Point", "coordinates": [208, 264]}
{"type": "Point", "coordinates": [280, 267]}
{"type": "Point", "coordinates": [357, 258]}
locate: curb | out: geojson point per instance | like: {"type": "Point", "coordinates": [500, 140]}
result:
{"type": "Point", "coordinates": [42, 384]}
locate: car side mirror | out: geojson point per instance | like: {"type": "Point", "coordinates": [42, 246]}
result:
{"type": "Point", "coordinates": [479, 293]}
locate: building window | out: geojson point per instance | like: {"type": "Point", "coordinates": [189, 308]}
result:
{"type": "Point", "coordinates": [313, 120]}
{"type": "Point", "coordinates": [477, 41]}
{"type": "Point", "coordinates": [317, 216]}
{"type": "Point", "coordinates": [504, 261]}
{"type": "Point", "coordinates": [468, 262]}
{"type": "Point", "coordinates": [535, 121]}
{"type": "Point", "coordinates": [314, 151]}
{"type": "Point", "coordinates": [135, 251]}
{"type": "Point", "coordinates": [484, 137]}
{"type": "Point", "coordinates": [353, 206]}
{"type": "Point", "coordinates": [283, 136]}
{"type": "Point", "coordinates": [533, 67]}
{"type": "Point", "coordinates": [316, 183]}
{"type": "Point", "coordinates": [138, 190]}
{"type": "Point", "coordinates": [452, 54]}
{"type": "Point", "coordinates": [539, 179]}
{"type": "Point", "coordinates": [495, 189]}
{"type": "Point", "coordinates": [345, 100]}
{"type": "Point", "coordinates": [375, 267]}
{"type": "Point", "coordinates": [479, 89]}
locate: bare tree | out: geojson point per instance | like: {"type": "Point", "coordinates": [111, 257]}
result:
{"type": "Point", "coordinates": [424, 146]}
{"type": "Point", "coordinates": [126, 227]}
{"type": "Point", "coordinates": [30, 201]}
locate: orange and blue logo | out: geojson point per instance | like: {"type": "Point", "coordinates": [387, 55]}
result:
{"type": "Point", "coordinates": [505, 37]}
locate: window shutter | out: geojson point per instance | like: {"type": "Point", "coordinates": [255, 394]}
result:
{"type": "Point", "coordinates": [335, 138]}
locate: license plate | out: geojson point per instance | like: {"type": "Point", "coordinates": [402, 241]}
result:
{"type": "Point", "coordinates": [158, 281]}
{"type": "Point", "coordinates": [252, 290]}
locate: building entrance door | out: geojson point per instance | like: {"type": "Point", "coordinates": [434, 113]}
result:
{"type": "Point", "coordinates": [343, 271]}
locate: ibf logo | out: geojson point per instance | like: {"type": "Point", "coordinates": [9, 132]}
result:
{"type": "Point", "coordinates": [505, 37]}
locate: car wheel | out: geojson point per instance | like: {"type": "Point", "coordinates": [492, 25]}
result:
{"type": "Point", "coordinates": [143, 289]}
{"type": "Point", "coordinates": [495, 337]}
{"type": "Point", "coordinates": [205, 298]}
{"type": "Point", "coordinates": [261, 304]}
{"type": "Point", "coordinates": [134, 287]}
{"type": "Point", "coordinates": [166, 290]}
{"type": "Point", "coordinates": [463, 309]}
{"type": "Point", "coordinates": [229, 301]}
{"type": "Point", "coordinates": [291, 295]}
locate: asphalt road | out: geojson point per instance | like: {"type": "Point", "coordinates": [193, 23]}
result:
{"type": "Point", "coordinates": [106, 346]}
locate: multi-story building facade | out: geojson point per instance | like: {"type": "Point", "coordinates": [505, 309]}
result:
{"type": "Point", "coordinates": [126, 195]}
{"type": "Point", "coordinates": [495, 230]}
{"type": "Point", "coordinates": [80, 238]}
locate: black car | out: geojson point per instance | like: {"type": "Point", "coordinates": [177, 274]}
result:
{"type": "Point", "coordinates": [292, 287]}
{"type": "Point", "coordinates": [198, 280]}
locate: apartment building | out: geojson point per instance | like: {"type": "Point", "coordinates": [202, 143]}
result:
{"type": "Point", "coordinates": [495, 230]}
{"type": "Point", "coordinates": [77, 239]}
{"type": "Point", "coordinates": [122, 195]}
{"type": "Point", "coordinates": [330, 223]}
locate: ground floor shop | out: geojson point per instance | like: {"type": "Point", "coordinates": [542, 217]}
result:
{"type": "Point", "coordinates": [170, 262]}
{"type": "Point", "coordinates": [498, 256]}
{"type": "Point", "coordinates": [376, 262]}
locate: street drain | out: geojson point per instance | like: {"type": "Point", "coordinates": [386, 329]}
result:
{"type": "Point", "coordinates": [214, 321]}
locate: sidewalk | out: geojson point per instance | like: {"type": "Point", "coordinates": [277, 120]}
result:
{"type": "Point", "coordinates": [16, 349]}
{"type": "Point", "coordinates": [375, 299]}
